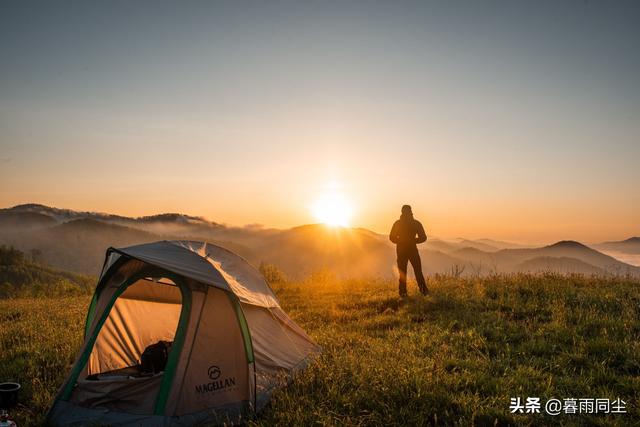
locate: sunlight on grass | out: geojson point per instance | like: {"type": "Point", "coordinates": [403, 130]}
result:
{"type": "Point", "coordinates": [455, 357]}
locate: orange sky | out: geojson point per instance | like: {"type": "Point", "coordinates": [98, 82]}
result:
{"type": "Point", "coordinates": [515, 123]}
{"type": "Point", "coordinates": [450, 213]}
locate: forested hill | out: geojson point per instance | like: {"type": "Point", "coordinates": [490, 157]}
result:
{"type": "Point", "coordinates": [20, 275]}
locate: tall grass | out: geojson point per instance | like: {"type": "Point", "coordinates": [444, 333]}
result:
{"type": "Point", "coordinates": [459, 355]}
{"type": "Point", "coordinates": [39, 338]}
{"type": "Point", "coordinates": [455, 357]}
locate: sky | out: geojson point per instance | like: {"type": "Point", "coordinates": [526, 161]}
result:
{"type": "Point", "coordinates": [510, 120]}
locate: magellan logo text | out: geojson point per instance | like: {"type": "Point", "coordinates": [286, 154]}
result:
{"type": "Point", "coordinates": [217, 384]}
{"type": "Point", "coordinates": [214, 372]}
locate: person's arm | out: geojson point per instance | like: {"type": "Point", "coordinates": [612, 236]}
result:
{"type": "Point", "coordinates": [393, 235]}
{"type": "Point", "coordinates": [422, 236]}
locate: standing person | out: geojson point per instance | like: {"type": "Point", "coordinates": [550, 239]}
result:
{"type": "Point", "coordinates": [406, 233]}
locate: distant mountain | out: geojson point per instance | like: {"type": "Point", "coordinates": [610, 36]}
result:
{"type": "Point", "coordinates": [466, 243]}
{"type": "Point", "coordinates": [499, 244]}
{"type": "Point", "coordinates": [485, 245]}
{"type": "Point", "coordinates": [65, 215]}
{"type": "Point", "coordinates": [629, 246]}
{"type": "Point", "coordinates": [440, 245]}
{"type": "Point", "coordinates": [345, 251]}
{"type": "Point", "coordinates": [13, 220]}
{"type": "Point", "coordinates": [439, 262]}
{"type": "Point", "coordinates": [575, 250]}
{"type": "Point", "coordinates": [78, 245]}
{"type": "Point", "coordinates": [562, 265]}
{"type": "Point", "coordinates": [166, 224]}
{"type": "Point", "coordinates": [76, 241]}
{"type": "Point", "coordinates": [481, 262]}
{"type": "Point", "coordinates": [59, 215]}
{"type": "Point", "coordinates": [174, 217]}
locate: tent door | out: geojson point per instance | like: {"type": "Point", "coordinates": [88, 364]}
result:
{"type": "Point", "coordinates": [151, 306]}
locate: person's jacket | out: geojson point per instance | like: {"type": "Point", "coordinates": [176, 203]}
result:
{"type": "Point", "coordinates": [407, 232]}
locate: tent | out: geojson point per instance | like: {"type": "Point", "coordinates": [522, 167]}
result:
{"type": "Point", "coordinates": [231, 343]}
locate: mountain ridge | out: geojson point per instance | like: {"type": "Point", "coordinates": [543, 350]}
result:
{"type": "Point", "coordinates": [76, 241]}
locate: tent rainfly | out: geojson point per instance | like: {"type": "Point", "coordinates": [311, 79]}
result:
{"type": "Point", "coordinates": [228, 343]}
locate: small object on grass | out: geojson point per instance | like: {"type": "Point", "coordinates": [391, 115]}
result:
{"type": "Point", "coordinates": [8, 395]}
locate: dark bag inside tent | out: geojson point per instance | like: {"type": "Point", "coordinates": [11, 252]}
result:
{"type": "Point", "coordinates": [154, 358]}
{"type": "Point", "coordinates": [152, 361]}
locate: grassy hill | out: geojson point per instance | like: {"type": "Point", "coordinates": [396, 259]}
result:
{"type": "Point", "coordinates": [453, 358]}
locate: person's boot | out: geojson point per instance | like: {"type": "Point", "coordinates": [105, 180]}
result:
{"type": "Point", "coordinates": [424, 290]}
{"type": "Point", "coordinates": [403, 291]}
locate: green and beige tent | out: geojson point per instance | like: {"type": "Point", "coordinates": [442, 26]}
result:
{"type": "Point", "coordinates": [231, 343]}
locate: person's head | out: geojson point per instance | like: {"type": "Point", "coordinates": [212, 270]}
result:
{"type": "Point", "coordinates": [406, 210]}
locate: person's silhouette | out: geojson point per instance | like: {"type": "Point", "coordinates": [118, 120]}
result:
{"type": "Point", "coordinates": [406, 233]}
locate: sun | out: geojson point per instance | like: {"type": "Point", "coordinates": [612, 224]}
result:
{"type": "Point", "coordinates": [333, 209]}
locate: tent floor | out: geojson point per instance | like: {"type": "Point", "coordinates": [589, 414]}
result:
{"type": "Point", "coordinates": [128, 372]}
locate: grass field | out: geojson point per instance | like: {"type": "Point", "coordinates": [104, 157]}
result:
{"type": "Point", "coordinates": [453, 358]}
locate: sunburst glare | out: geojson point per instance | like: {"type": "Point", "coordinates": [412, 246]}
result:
{"type": "Point", "coordinates": [333, 208]}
